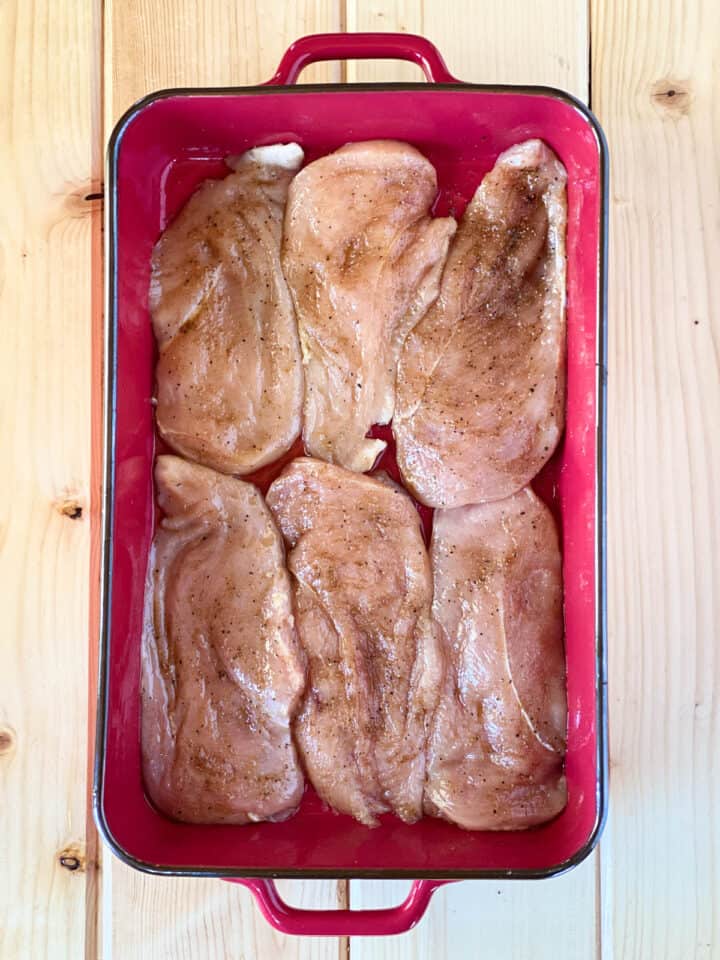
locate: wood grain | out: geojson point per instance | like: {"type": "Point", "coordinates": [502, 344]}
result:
{"type": "Point", "coordinates": [148, 46]}
{"type": "Point", "coordinates": [152, 44]}
{"type": "Point", "coordinates": [50, 161]}
{"type": "Point", "coordinates": [529, 42]}
{"type": "Point", "coordinates": [655, 90]}
{"type": "Point", "coordinates": [515, 920]}
{"type": "Point", "coordinates": [153, 918]}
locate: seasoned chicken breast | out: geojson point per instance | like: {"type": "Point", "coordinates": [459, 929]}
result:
{"type": "Point", "coordinates": [222, 671]}
{"type": "Point", "coordinates": [363, 592]}
{"type": "Point", "coordinates": [481, 379]}
{"type": "Point", "coordinates": [363, 260]}
{"type": "Point", "coordinates": [495, 758]}
{"type": "Point", "coordinates": [229, 372]}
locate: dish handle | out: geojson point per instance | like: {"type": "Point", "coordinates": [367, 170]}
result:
{"type": "Point", "coordinates": [362, 46]}
{"type": "Point", "coordinates": [297, 921]}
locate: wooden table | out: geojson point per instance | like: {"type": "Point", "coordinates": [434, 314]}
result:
{"type": "Point", "coordinates": [68, 69]}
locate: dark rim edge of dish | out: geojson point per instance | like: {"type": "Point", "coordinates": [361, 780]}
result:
{"type": "Point", "coordinates": [108, 497]}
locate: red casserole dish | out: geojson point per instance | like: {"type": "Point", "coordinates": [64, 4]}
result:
{"type": "Point", "coordinates": [158, 153]}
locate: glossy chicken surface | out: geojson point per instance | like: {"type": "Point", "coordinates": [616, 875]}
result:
{"type": "Point", "coordinates": [363, 593]}
{"type": "Point", "coordinates": [222, 671]}
{"type": "Point", "coordinates": [481, 379]}
{"type": "Point", "coordinates": [363, 260]}
{"type": "Point", "coordinates": [229, 371]}
{"type": "Point", "coordinates": [495, 757]}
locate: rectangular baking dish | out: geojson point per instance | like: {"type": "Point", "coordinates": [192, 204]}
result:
{"type": "Point", "coordinates": [158, 152]}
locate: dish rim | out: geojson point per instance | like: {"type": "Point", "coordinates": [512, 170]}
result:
{"type": "Point", "coordinates": [108, 494]}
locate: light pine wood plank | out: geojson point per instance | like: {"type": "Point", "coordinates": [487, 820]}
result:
{"type": "Point", "coordinates": [50, 161]}
{"type": "Point", "coordinates": [153, 44]}
{"type": "Point", "coordinates": [543, 920]}
{"type": "Point", "coordinates": [174, 919]}
{"type": "Point", "coordinates": [514, 920]}
{"type": "Point", "coordinates": [529, 42]}
{"type": "Point", "coordinates": [150, 45]}
{"type": "Point", "coordinates": [655, 90]}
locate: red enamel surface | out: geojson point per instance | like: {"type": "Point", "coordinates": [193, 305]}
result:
{"type": "Point", "coordinates": [166, 148]}
{"type": "Point", "coordinates": [381, 922]}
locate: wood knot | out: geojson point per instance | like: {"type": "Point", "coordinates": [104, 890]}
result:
{"type": "Point", "coordinates": [79, 201]}
{"type": "Point", "coordinates": [672, 96]}
{"type": "Point", "coordinates": [7, 740]}
{"type": "Point", "coordinates": [72, 857]}
{"type": "Point", "coordinates": [69, 507]}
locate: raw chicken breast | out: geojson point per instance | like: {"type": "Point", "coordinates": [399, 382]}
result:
{"type": "Point", "coordinates": [229, 372]}
{"type": "Point", "coordinates": [222, 671]}
{"type": "Point", "coordinates": [363, 593]}
{"type": "Point", "coordinates": [481, 380]}
{"type": "Point", "coordinates": [363, 261]}
{"type": "Point", "coordinates": [495, 758]}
